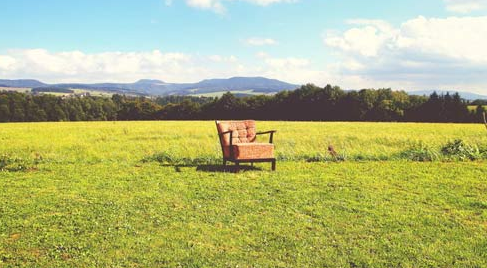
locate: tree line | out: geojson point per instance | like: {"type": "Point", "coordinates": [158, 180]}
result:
{"type": "Point", "coordinates": [51, 89]}
{"type": "Point", "coordinates": [308, 103]}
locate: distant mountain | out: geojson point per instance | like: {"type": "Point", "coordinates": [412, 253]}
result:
{"type": "Point", "coordinates": [149, 81]}
{"type": "Point", "coordinates": [157, 87]}
{"type": "Point", "coordinates": [257, 84]}
{"type": "Point", "coordinates": [27, 83]}
{"type": "Point", "coordinates": [237, 85]}
{"type": "Point", "coordinates": [464, 95]}
{"type": "Point", "coordinates": [141, 87]}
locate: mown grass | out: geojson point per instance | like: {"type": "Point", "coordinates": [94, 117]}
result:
{"type": "Point", "coordinates": [295, 141]}
{"type": "Point", "coordinates": [108, 195]}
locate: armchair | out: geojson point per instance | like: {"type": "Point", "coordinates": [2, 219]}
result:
{"type": "Point", "coordinates": [238, 142]}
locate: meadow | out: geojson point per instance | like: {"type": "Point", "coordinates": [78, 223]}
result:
{"type": "Point", "coordinates": [249, 92]}
{"type": "Point", "coordinates": [17, 89]}
{"type": "Point", "coordinates": [474, 107]}
{"type": "Point", "coordinates": [150, 194]}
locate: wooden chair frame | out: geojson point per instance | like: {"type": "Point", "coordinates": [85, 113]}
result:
{"type": "Point", "coordinates": [251, 161]}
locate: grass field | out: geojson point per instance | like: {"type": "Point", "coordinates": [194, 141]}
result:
{"type": "Point", "coordinates": [148, 194]}
{"type": "Point", "coordinates": [98, 93]}
{"type": "Point", "coordinates": [220, 93]}
{"type": "Point", "coordinates": [17, 89]}
{"type": "Point", "coordinates": [474, 107]}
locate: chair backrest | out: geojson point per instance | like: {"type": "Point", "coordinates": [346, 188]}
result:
{"type": "Point", "coordinates": [242, 131]}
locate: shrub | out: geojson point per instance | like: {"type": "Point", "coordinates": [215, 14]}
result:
{"type": "Point", "coordinates": [483, 151]}
{"type": "Point", "coordinates": [420, 152]}
{"type": "Point", "coordinates": [459, 150]}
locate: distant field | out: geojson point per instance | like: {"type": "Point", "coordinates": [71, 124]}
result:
{"type": "Point", "coordinates": [150, 194]}
{"type": "Point", "coordinates": [76, 91]}
{"type": "Point", "coordinates": [18, 89]}
{"type": "Point", "coordinates": [474, 107]}
{"type": "Point", "coordinates": [235, 92]}
{"type": "Point", "coordinates": [79, 91]}
{"type": "Point", "coordinates": [94, 92]}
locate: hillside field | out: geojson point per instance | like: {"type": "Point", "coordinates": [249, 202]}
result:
{"type": "Point", "coordinates": [17, 89]}
{"type": "Point", "coordinates": [152, 194]}
{"type": "Point", "coordinates": [474, 107]}
{"type": "Point", "coordinates": [249, 92]}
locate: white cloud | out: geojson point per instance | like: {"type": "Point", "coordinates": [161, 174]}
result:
{"type": "Point", "coordinates": [259, 41]}
{"type": "Point", "coordinates": [290, 69]}
{"type": "Point", "coordinates": [280, 63]}
{"type": "Point", "coordinates": [261, 55]}
{"type": "Point", "coordinates": [219, 58]}
{"type": "Point", "coordinates": [379, 24]}
{"type": "Point", "coordinates": [269, 2]}
{"type": "Point", "coordinates": [7, 62]}
{"type": "Point", "coordinates": [366, 41]}
{"type": "Point", "coordinates": [420, 53]}
{"type": "Point", "coordinates": [218, 6]}
{"type": "Point", "coordinates": [465, 6]}
{"type": "Point", "coordinates": [77, 66]}
{"type": "Point", "coordinates": [214, 5]}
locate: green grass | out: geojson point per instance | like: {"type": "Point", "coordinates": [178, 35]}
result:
{"type": "Point", "coordinates": [474, 107]}
{"type": "Point", "coordinates": [98, 93]}
{"type": "Point", "coordinates": [18, 89]}
{"type": "Point", "coordinates": [96, 195]}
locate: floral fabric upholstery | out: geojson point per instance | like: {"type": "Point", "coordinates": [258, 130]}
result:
{"type": "Point", "coordinates": [248, 151]}
{"type": "Point", "coordinates": [242, 131]}
{"type": "Point", "coordinates": [243, 141]}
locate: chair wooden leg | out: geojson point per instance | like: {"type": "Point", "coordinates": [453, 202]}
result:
{"type": "Point", "coordinates": [224, 162]}
{"type": "Point", "coordinates": [237, 167]}
{"type": "Point", "coordinates": [273, 165]}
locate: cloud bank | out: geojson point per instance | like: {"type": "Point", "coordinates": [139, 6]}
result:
{"type": "Point", "coordinates": [422, 52]}
{"type": "Point", "coordinates": [76, 66]}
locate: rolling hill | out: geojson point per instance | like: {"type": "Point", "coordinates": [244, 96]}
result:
{"type": "Point", "coordinates": [24, 83]}
{"type": "Point", "coordinates": [208, 87]}
{"type": "Point", "coordinates": [157, 87]}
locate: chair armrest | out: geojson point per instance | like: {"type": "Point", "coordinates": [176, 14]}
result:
{"type": "Point", "coordinates": [231, 140]}
{"type": "Point", "coordinates": [227, 132]}
{"type": "Point", "coordinates": [266, 132]}
{"type": "Point", "coordinates": [271, 138]}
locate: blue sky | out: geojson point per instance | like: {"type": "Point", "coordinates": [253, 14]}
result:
{"type": "Point", "coordinates": [410, 45]}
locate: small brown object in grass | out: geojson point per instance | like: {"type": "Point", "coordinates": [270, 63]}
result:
{"type": "Point", "coordinates": [332, 151]}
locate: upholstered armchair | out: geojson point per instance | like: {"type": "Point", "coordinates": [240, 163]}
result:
{"type": "Point", "coordinates": [238, 142]}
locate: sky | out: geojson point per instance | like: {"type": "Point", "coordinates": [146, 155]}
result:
{"type": "Point", "coordinates": [402, 44]}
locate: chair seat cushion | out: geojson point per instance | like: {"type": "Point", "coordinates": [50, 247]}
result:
{"type": "Point", "coordinates": [249, 151]}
